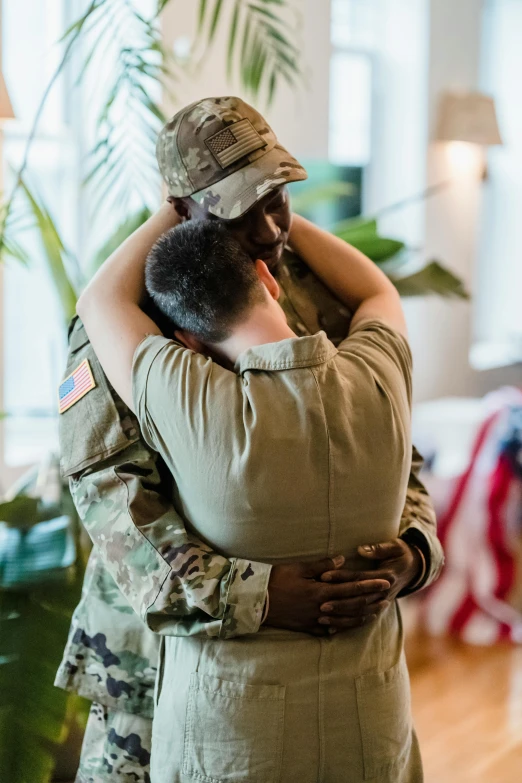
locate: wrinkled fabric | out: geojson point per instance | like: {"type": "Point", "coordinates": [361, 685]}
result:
{"type": "Point", "coordinates": [103, 610]}
{"type": "Point", "coordinates": [302, 452]}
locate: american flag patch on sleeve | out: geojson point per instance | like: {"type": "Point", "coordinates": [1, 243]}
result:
{"type": "Point", "coordinates": [75, 386]}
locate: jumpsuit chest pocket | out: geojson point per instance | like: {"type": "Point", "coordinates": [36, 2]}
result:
{"type": "Point", "coordinates": [383, 704]}
{"type": "Point", "coordinates": [233, 732]}
{"type": "Point", "coordinates": [94, 427]}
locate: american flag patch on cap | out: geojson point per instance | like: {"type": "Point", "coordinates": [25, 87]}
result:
{"type": "Point", "coordinates": [234, 142]}
{"type": "Point", "coordinates": [75, 386]}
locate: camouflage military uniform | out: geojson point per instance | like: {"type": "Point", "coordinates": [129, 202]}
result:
{"type": "Point", "coordinates": [170, 579]}
{"type": "Point", "coordinates": [116, 747]}
{"type": "Point", "coordinates": [146, 572]}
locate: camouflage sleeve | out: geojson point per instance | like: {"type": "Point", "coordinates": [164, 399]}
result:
{"type": "Point", "coordinates": [123, 494]}
{"type": "Point", "coordinates": [309, 306]}
{"type": "Point", "coordinates": [176, 583]}
{"type": "Point", "coordinates": [419, 526]}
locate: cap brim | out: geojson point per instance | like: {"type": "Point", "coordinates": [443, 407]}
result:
{"type": "Point", "coordinates": [234, 195]}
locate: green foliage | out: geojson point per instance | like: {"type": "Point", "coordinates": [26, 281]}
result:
{"type": "Point", "coordinates": [365, 237]}
{"type": "Point", "coordinates": [21, 511]}
{"type": "Point", "coordinates": [259, 43]}
{"type": "Point", "coordinates": [35, 610]}
{"type": "Point", "coordinates": [24, 511]}
{"type": "Point", "coordinates": [15, 224]}
{"type": "Point", "coordinates": [55, 253]}
{"type": "Point", "coordinates": [307, 198]}
{"type": "Point", "coordinates": [33, 713]}
{"type": "Point", "coordinates": [431, 279]}
{"type": "Point", "coordinates": [122, 170]}
{"type": "Point", "coordinates": [117, 38]}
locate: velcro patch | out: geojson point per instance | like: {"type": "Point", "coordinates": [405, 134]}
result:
{"type": "Point", "coordinates": [75, 386]}
{"type": "Point", "coordinates": [234, 142]}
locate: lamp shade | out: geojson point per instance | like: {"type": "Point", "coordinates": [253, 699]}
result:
{"type": "Point", "coordinates": [6, 110]}
{"type": "Point", "coordinates": [468, 117]}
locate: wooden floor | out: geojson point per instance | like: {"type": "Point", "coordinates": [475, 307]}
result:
{"type": "Point", "coordinates": [467, 706]}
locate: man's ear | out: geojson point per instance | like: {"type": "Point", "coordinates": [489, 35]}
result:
{"type": "Point", "coordinates": [189, 341]}
{"type": "Point", "coordinates": [182, 207]}
{"type": "Point", "coordinates": [267, 279]}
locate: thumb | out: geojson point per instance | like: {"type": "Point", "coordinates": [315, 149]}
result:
{"type": "Point", "coordinates": [318, 567]}
{"type": "Point", "coordinates": [385, 551]}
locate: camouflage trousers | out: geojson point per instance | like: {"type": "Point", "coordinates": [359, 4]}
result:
{"type": "Point", "coordinates": [116, 747]}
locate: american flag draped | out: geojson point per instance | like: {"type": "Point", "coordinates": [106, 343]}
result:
{"type": "Point", "coordinates": [481, 531]}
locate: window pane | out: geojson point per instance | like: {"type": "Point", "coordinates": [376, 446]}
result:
{"type": "Point", "coordinates": [498, 308]}
{"type": "Point", "coordinates": [350, 109]}
{"type": "Point", "coordinates": [34, 328]}
{"type": "Point", "coordinates": [30, 55]}
{"type": "Point", "coordinates": [354, 23]}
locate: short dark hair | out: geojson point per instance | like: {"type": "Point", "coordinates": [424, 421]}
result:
{"type": "Point", "coordinates": [200, 277]}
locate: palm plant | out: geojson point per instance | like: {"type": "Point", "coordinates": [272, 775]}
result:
{"type": "Point", "coordinates": [40, 586]}
{"type": "Point", "coordinates": [405, 267]}
{"type": "Point", "coordinates": [399, 262]}
{"type": "Point", "coordinates": [121, 168]}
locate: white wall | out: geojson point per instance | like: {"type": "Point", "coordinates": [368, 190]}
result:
{"type": "Point", "coordinates": [428, 47]}
{"type": "Point", "coordinates": [398, 167]}
{"type": "Point", "coordinates": [498, 314]}
{"type": "Point", "coordinates": [441, 331]}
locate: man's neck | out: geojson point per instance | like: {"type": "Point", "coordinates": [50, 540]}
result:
{"type": "Point", "coordinates": [263, 326]}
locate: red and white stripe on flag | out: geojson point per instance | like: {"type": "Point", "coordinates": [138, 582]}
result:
{"type": "Point", "coordinates": [470, 599]}
{"type": "Point", "coordinates": [75, 386]}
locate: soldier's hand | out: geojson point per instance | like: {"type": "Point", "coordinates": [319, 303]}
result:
{"type": "Point", "coordinates": [296, 594]}
{"type": "Point", "coordinates": [395, 562]}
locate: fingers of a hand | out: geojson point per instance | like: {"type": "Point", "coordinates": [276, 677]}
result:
{"type": "Point", "coordinates": [347, 590]}
{"type": "Point", "coordinates": [383, 551]}
{"type": "Point", "coordinates": [343, 575]}
{"type": "Point", "coordinates": [354, 607]}
{"type": "Point", "coordinates": [318, 567]}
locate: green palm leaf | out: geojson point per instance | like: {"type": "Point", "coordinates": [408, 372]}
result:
{"type": "Point", "coordinates": [14, 224]}
{"type": "Point", "coordinates": [318, 194]}
{"type": "Point", "coordinates": [434, 279]}
{"type": "Point", "coordinates": [201, 14]}
{"type": "Point", "coordinates": [122, 167]}
{"type": "Point", "coordinates": [258, 43]}
{"type": "Point", "coordinates": [33, 713]}
{"type": "Point", "coordinates": [232, 38]}
{"type": "Point", "coordinates": [364, 236]}
{"type": "Point", "coordinates": [379, 249]}
{"type": "Point", "coordinates": [54, 252]}
{"type": "Point", "coordinates": [35, 717]}
{"type": "Point", "coordinates": [214, 20]}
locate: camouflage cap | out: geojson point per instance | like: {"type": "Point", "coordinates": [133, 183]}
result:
{"type": "Point", "coordinates": [222, 153]}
